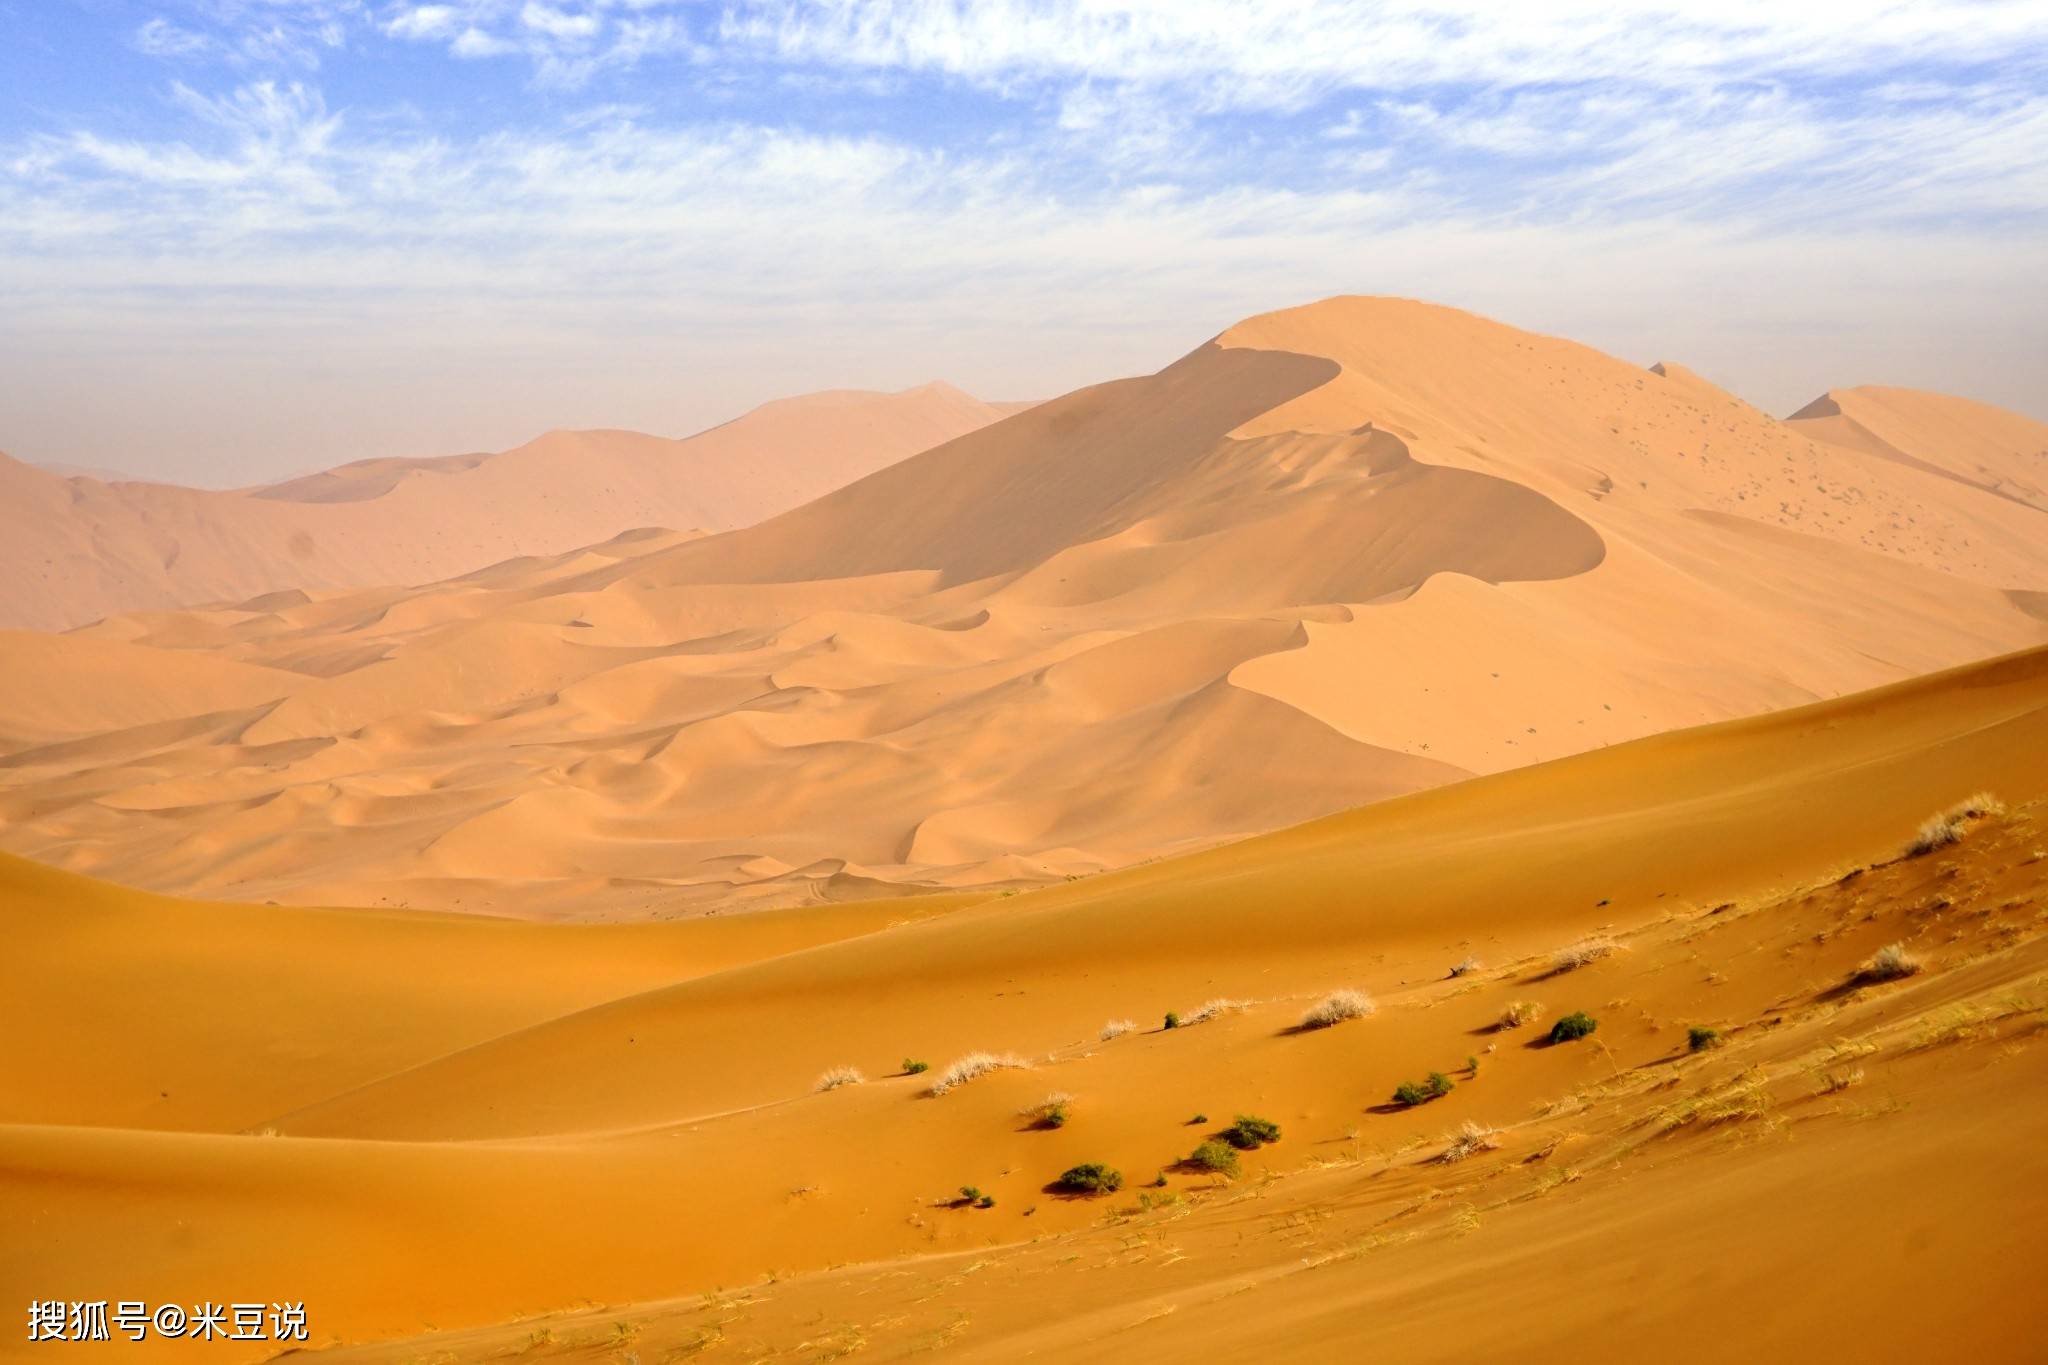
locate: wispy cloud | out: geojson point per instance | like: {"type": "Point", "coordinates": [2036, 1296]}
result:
{"type": "Point", "coordinates": [1025, 195]}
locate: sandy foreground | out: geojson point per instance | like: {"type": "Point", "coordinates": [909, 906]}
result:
{"type": "Point", "coordinates": [1339, 553]}
{"type": "Point", "coordinates": [458, 1137]}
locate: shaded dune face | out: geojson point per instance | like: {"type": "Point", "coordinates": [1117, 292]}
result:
{"type": "Point", "coordinates": [562, 1117]}
{"type": "Point", "coordinates": [1340, 553]}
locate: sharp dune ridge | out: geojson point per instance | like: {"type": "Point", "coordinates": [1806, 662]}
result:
{"type": "Point", "coordinates": [561, 1116]}
{"type": "Point", "coordinates": [1338, 553]}
{"type": "Point", "coordinates": [76, 548]}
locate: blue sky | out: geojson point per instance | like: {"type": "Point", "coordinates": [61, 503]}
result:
{"type": "Point", "coordinates": [240, 238]}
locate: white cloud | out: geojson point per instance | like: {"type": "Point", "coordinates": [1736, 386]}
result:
{"type": "Point", "coordinates": [423, 21]}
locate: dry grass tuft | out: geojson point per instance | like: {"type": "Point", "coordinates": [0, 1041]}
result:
{"type": "Point", "coordinates": [1890, 963]}
{"type": "Point", "coordinates": [1948, 827]}
{"type": "Point", "coordinates": [838, 1076]}
{"type": "Point", "coordinates": [964, 1069]}
{"type": "Point", "coordinates": [1518, 1013]}
{"type": "Point", "coordinates": [1336, 1007]}
{"type": "Point", "coordinates": [1465, 968]}
{"type": "Point", "coordinates": [1213, 1009]}
{"type": "Point", "coordinates": [1582, 953]}
{"type": "Point", "coordinates": [1116, 1028]}
{"type": "Point", "coordinates": [1051, 1112]}
{"type": "Point", "coordinates": [1470, 1140]}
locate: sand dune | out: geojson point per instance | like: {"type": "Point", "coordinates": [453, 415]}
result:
{"type": "Point", "coordinates": [73, 549]}
{"type": "Point", "coordinates": [606, 1138]}
{"type": "Point", "coordinates": [1339, 553]}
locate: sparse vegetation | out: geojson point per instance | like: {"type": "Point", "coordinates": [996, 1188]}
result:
{"type": "Point", "coordinates": [1465, 968]}
{"type": "Point", "coordinates": [1583, 953]}
{"type": "Point", "coordinates": [1250, 1132]}
{"type": "Point", "coordinates": [1116, 1028]}
{"type": "Point", "coordinates": [1337, 1007]}
{"type": "Point", "coordinates": [1699, 1038]}
{"type": "Point", "coordinates": [912, 1067]}
{"type": "Point", "coordinates": [986, 1201]}
{"type": "Point", "coordinates": [974, 1064]}
{"type": "Point", "coordinates": [1172, 1019]}
{"type": "Point", "coordinates": [1215, 1156]}
{"type": "Point", "coordinates": [1052, 1111]}
{"type": "Point", "coordinates": [1091, 1177]}
{"type": "Point", "coordinates": [1412, 1093]}
{"type": "Point", "coordinates": [969, 1193]}
{"type": "Point", "coordinates": [1518, 1013]}
{"type": "Point", "coordinates": [1199, 1119]}
{"type": "Point", "coordinates": [1574, 1026]}
{"type": "Point", "coordinates": [1948, 827]}
{"type": "Point", "coordinates": [1212, 1009]}
{"type": "Point", "coordinates": [838, 1076]}
{"type": "Point", "coordinates": [1470, 1140]}
{"type": "Point", "coordinates": [1889, 963]}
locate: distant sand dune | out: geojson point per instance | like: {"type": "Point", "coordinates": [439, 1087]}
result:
{"type": "Point", "coordinates": [1338, 553]}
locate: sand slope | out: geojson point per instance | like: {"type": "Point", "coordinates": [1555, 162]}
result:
{"type": "Point", "coordinates": [76, 549]}
{"type": "Point", "coordinates": [565, 1135]}
{"type": "Point", "coordinates": [1338, 553]}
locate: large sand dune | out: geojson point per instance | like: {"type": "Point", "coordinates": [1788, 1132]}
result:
{"type": "Point", "coordinates": [460, 1138]}
{"type": "Point", "coordinates": [1339, 553]}
{"type": "Point", "coordinates": [74, 549]}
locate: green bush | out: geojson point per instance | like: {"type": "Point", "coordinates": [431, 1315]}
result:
{"type": "Point", "coordinates": [1573, 1027]}
{"type": "Point", "coordinates": [1199, 1118]}
{"type": "Point", "coordinates": [1216, 1156]}
{"type": "Point", "coordinates": [1251, 1132]}
{"type": "Point", "coordinates": [986, 1201]}
{"type": "Point", "coordinates": [912, 1068]}
{"type": "Point", "coordinates": [1412, 1093]}
{"type": "Point", "coordinates": [1173, 1018]}
{"type": "Point", "coordinates": [970, 1193]}
{"type": "Point", "coordinates": [1700, 1039]}
{"type": "Point", "coordinates": [1092, 1177]}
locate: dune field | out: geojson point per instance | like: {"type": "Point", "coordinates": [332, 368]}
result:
{"type": "Point", "coordinates": [467, 1138]}
{"type": "Point", "coordinates": [1339, 553]}
{"type": "Point", "coordinates": [1393, 837]}
{"type": "Point", "coordinates": [75, 547]}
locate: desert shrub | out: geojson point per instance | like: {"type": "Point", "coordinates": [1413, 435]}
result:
{"type": "Point", "coordinates": [969, 1193]}
{"type": "Point", "coordinates": [1052, 1111]}
{"type": "Point", "coordinates": [1699, 1039]}
{"type": "Point", "coordinates": [1890, 963]}
{"type": "Point", "coordinates": [912, 1067]}
{"type": "Point", "coordinates": [1470, 1140]}
{"type": "Point", "coordinates": [838, 1076]}
{"type": "Point", "coordinates": [1947, 827]}
{"type": "Point", "coordinates": [1466, 967]}
{"type": "Point", "coordinates": [1586, 950]}
{"type": "Point", "coordinates": [1412, 1093]}
{"type": "Point", "coordinates": [1212, 1009]}
{"type": "Point", "coordinates": [1172, 1019]}
{"type": "Point", "coordinates": [1116, 1028]}
{"type": "Point", "coordinates": [1199, 1119]}
{"type": "Point", "coordinates": [1217, 1156]}
{"type": "Point", "coordinates": [1159, 1181]}
{"type": "Point", "coordinates": [986, 1201]}
{"type": "Point", "coordinates": [1336, 1007]}
{"type": "Point", "coordinates": [1091, 1177]}
{"type": "Point", "coordinates": [1250, 1132]}
{"type": "Point", "coordinates": [965, 1069]}
{"type": "Point", "coordinates": [1520, 1012]}
{"type": "Point", "coordinates": [1573, 1027]}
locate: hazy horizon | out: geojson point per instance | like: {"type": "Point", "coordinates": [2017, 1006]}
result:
{"type": "Point", "coordinates": [248, 238]}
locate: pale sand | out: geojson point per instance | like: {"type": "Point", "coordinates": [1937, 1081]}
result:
{"type": "Point", "coordinates": [606, 1139]}
{"type": "Point", "coordinates": [1343, 552]}
{"type": "Point", "coordinates": [74, 549]}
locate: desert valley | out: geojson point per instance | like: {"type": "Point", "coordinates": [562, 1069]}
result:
{"type": "Point", "coordinates": [1391, 837]}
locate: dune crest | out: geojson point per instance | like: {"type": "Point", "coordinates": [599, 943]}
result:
{"type": "Point", "coordinates": [1340, 552]}
{"type": "Point", "coordinates": [74, 549]}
